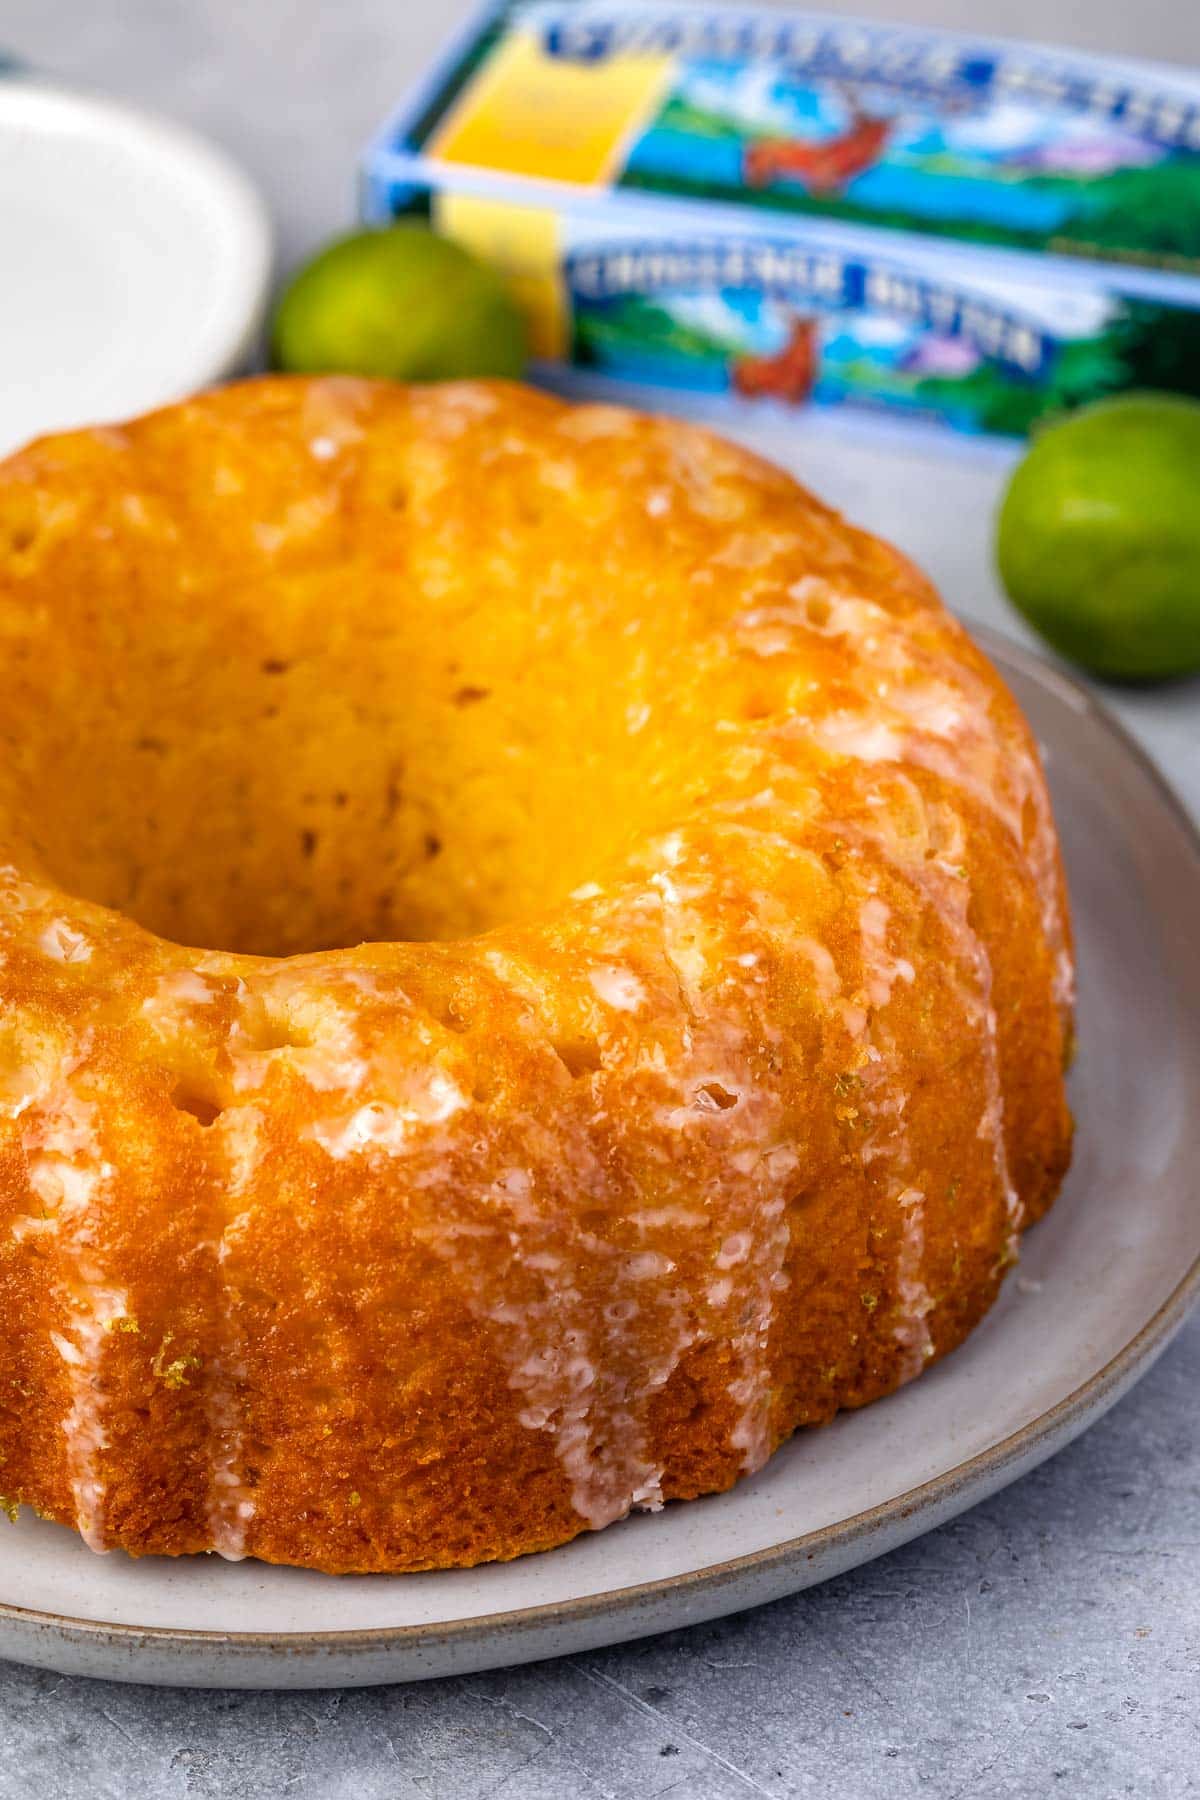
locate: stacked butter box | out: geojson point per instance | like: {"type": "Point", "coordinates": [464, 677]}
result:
{"type": "Point", "coordinates": [790, 209]}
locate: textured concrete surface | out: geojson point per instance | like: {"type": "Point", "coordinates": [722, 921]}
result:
{"type": "Point", "coordinates": [1046, 1643]}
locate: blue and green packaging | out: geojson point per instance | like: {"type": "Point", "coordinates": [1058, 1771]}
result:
{"type": "Point", "coordinates": [791, 210]}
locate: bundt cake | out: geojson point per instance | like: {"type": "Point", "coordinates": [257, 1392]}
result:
{"type": "Point", "coordinates": [633, 982]}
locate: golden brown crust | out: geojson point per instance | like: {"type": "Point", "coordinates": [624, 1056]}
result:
{"type": "Point", "coordinates": [714, 1100]}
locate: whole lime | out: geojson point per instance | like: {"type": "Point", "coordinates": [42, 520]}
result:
{"type": "Point", "coordinates": [401, 302]}
{"type": "Point", "coordinates": [1099, 536]}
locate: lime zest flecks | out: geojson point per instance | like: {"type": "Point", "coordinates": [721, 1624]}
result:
{"type": "Point", "coordinates": [174, 1373]}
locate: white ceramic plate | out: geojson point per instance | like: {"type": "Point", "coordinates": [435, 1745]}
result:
{"type": "Point", "coordinates": [136, 261]}
{"type": "Point", "coordinates": [1103, 1284]}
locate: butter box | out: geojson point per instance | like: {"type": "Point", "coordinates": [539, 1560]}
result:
{"type": "Point", "coordinates": [761, 207]}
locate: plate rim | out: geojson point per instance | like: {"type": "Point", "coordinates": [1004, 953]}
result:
{"type": "Point", "coordinates": [965, 1481]}
{"type": "Point", "coordinates": [34, 98]}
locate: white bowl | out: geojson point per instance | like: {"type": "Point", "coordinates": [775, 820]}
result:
{"type": "Point", "coordinates": [136, 261]}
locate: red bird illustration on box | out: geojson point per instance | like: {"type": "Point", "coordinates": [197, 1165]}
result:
{"type": "Point", "coordinates": [789, 375]}
{"type": "Point", "coordinates": [820, 165]}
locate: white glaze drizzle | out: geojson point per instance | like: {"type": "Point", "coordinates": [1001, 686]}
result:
{"type": "Point", "coordinates": [756, 1163]}
{"type": "Point", "coordinates": [946, 890]}
{"type": "Point", "coordinates": [532, 1267]}
{"type": "Point", "coordinates": [230, 1505]}
{"type": "Point", "coordinates": [912, 1329]}
{"type": "Point", "coordinates": [64, 943]}
{"type": "Point", "coordinates": [618, 987]}
{"type": "Point", "coordinates": [67, 1172]}
{"type": "Point", "coordinates": [912, 715]}
{"type": "Point", "coordinates": [884, 1101]}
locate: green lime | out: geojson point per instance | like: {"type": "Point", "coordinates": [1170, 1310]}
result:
{"type": "Point", "coordinates": [1099, 536]}
{"type": "Point", "coordinates": [401, 302]}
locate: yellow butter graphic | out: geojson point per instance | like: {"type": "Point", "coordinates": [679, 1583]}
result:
{"type": "Point", "coordinates": [523, 243]}
{"type": "Point", "coordinates": [529, 114]}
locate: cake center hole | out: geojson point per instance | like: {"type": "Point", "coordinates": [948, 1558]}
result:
{"type": "Point", "coordinates": [298, 769]}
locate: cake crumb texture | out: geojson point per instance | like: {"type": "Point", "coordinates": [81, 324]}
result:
{"type": "Point", "coordinates": [533, 963]}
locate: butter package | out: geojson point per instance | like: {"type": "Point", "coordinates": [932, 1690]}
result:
{"type": "Point", "coordinates": [793, 209]}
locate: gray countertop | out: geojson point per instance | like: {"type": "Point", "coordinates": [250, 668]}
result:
{"type": "Point", "coordinates": [1046, 1642]}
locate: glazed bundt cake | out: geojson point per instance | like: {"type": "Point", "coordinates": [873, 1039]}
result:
{"type": "Point", "coordinates": [633, 981]}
